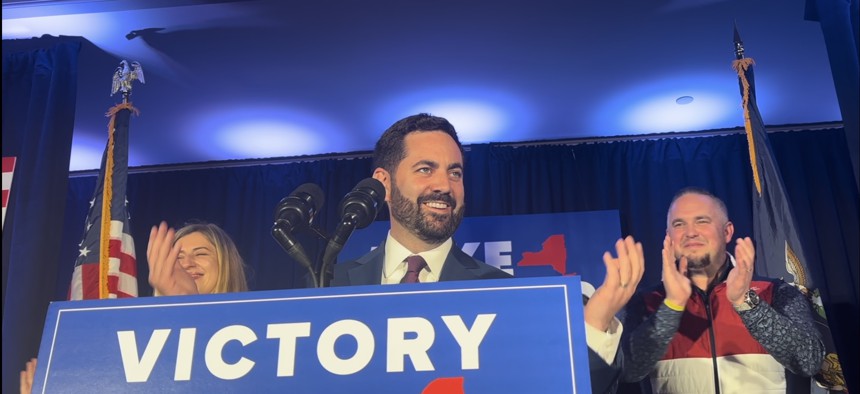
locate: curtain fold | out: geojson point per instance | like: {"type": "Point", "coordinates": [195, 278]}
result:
{"type": "Point", "coordinates": [39, 95]}
{"type": "Point", "coordinates": [840, 28]}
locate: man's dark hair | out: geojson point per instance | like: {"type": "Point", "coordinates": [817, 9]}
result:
{"type": "Point", "coordinates": [390, 149]}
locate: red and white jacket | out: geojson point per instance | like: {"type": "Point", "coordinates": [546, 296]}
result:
{"type": "Point", "coordinates": [711, 348]}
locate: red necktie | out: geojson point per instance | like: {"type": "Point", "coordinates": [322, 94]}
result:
{"type": "Point", "coordinates": [414, 265]}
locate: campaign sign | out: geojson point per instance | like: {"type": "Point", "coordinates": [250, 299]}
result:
{"type": "Point", "coordinates": [521, 335]}
{"type": "Point", "coordinates": [555, 244]}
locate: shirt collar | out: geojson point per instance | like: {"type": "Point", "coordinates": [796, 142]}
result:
{"type": "Point", "coordinates": [395, 253]}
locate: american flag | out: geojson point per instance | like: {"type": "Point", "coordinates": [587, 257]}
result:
{"type": "Point", "coordinates": [8, 172]}
{"type": "Point", "coordinates": [106, 266]}
{"type": "Point", "coordinates": [779, 252]}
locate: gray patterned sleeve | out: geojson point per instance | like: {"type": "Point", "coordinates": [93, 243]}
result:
{"type": "Point", "coordinates": [647, 338]}
{"type": "Point", "coordinates": [787, 331]}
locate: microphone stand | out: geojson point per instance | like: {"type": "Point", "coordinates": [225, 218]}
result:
{"type": "Point", "coordinates": [294, 249]}
{"type": "Point", "coordinates": [334, 247]}
{"type": "Point", "coordinates": [318, 273]}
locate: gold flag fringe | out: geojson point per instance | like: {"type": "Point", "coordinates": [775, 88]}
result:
{"type": "Point", "coordinates": [107, 195]}
{"type": "Point", "coordinates": [741, 66]}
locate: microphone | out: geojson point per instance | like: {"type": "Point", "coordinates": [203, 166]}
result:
{"type": "Point", "coordinates": [296, 212]}
{"type": "Point", "coordinates": [300, 207]}
{"type": "Point", "coordinates": [357, 210]}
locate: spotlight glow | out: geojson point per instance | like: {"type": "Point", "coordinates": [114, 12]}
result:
{"type": "Point", "coordinates": [263, 131]}
{"type": "Point", "coordinates": [15, 29]}
{"type": "Point", "coordinates": [88, 148]}
{"type": "Point", "coordinates": [474, 121]}
{"type": "Point", "coordinates": [94, 26]}
{"type": "Point", "coordinates": [661, 113]}
{"type": "Point", "coordinates": [85, 155]}
{"type": "Point", "coordinates": [654, 107]}
{"type": "Point", "coordinates": [479, 114]}
{"type": "Point", "coordinates": [267, 139]}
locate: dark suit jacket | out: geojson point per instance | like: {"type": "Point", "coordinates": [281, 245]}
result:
{"type": "Point", "coordinates": [604, 377]}
{"type": "Point", "coordinates": [368, 269]}
{"type": "Point", "coordinates": [460, 266]}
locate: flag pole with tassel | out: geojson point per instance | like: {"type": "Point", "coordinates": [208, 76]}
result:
{"type": "Point", "coordinates": [112, 273]}
{"type": "Point", "coordinates": [122, 81]}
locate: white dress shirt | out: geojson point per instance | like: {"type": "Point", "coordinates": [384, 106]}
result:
{"type": "Point", "coordinates": [605, 344]}
{"type": "Point", "coordinates": [394, 266]}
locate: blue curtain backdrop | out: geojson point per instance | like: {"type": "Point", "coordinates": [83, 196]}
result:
{"type": "Point", "coordinates": [638, 178]}
{"type": "Point", "coordinates": [39, 91]}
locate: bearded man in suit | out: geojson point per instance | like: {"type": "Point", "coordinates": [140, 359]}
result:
{"type": "Point", "coordinates": [419, 160]}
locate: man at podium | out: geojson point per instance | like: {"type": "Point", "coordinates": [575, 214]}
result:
{"type": "Point", "coordinates": [419, 160]}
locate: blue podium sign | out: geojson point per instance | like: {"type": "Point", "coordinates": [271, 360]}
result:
{"type": "Point", "coordinates": [522, 335]}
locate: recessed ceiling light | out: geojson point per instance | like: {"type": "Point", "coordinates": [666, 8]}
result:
{"type": "Point", "coordinates": [684, 100]}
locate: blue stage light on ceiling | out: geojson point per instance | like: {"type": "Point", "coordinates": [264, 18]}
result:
{"type": "Point", "coordinates": [663, 113]}
{"type": "Point", "coordinates": [86, 154]}
{"type": "Point", "coordinates": [263, 131]}
{"type": "Point", "coordinates": [93, 26]}
{"type": "Point", "coordinates": [673, 104]}
{"type": "Point", "coordinates": [268, 138]}
{"type": "Point", "coordinates": [479, 114]}
{"type": "Point", "coordinates": [475, 121]}
{"type": "Point", "coordinates": [15, 29]}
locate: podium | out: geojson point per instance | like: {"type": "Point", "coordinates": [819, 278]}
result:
{"type": "Point", "coordinates": [521, 335]}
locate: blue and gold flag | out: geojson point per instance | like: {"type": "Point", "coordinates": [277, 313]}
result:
{"type": "Point", "coordinates": [779, 253]}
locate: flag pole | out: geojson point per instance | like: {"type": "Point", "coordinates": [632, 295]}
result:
{"type": "Point", "coordinates": [123, 77]}
{"type": "Point", "coordinates": [106, 266]}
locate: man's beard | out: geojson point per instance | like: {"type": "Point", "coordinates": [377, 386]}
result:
{"type": "Point", "coordinates": [430, 227]}
{"type": "Point", "coordinates": [698, 264]}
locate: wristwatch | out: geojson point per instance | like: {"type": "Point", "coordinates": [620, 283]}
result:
{"type": "Point", "coordinates": [750, 301]}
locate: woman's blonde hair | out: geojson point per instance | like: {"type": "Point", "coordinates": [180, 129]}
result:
{"type": "Point", "coordinates": [231, 267]}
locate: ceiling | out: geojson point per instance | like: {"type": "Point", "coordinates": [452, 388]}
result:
{"type": "Point", "coordinates": [273, 78]}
